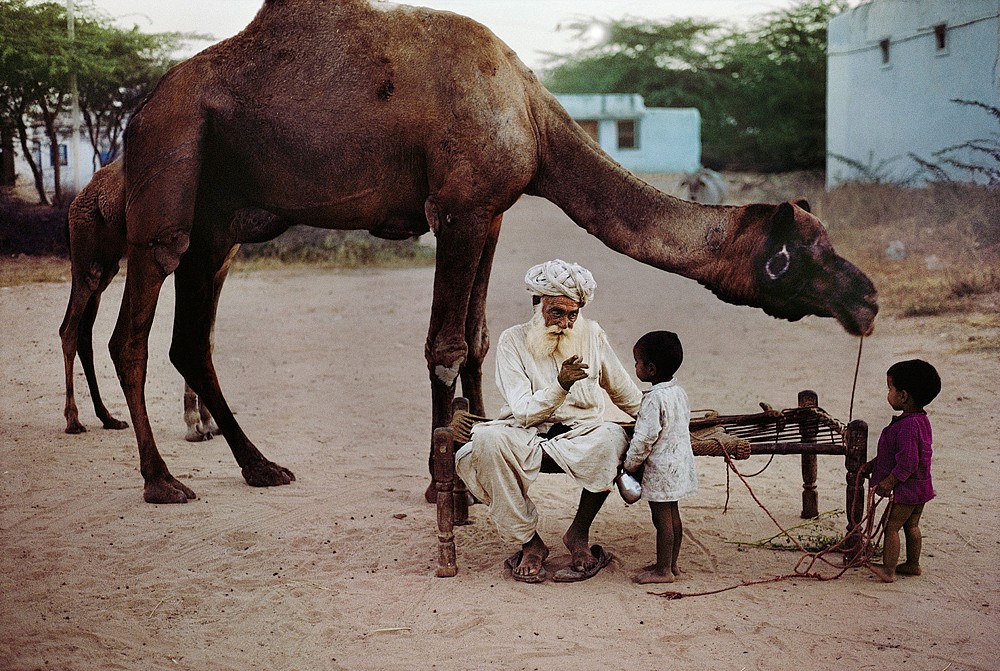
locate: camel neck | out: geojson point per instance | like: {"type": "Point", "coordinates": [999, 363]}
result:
{"type": "Point", "coordinates": [620, 209]}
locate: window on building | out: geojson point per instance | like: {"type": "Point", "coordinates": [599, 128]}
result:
{"type": "Point", "coordinates": [628, 138]}
{"type": "Point", "coordinates": [884, 46]}
{"type": "Point", "coordinates": [941, 37]}
{"type": "Point", "coordinates": [590, 126]}
{"type": "Point", "coordinates": [63, 155]}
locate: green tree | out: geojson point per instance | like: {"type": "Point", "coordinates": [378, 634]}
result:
{"type": "Point", "coordinates": [761, 89]}
{"type": "Point", "coordinates": [114, 68]}
{"type": "Point", "coordinates": [23, 71]}
{"type": "Point", "coordinates": [118, 69]}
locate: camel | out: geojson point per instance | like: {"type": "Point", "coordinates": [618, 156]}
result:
{"type": "Point", "coordinates": [350, 114]}
{"type": "Point", "coordinates": [97, 245]}
{"type": "Point", "coordinates": [705, 186]}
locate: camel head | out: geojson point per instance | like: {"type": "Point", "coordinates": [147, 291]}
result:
{"type": "Point", "coordinates": [794, 270]}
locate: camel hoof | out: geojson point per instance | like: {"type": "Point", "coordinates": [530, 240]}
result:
{"type": "Point", "coordinates": [267, 474]}
{"type": "Point", "coordinates": [195, 435]}
{"type": "Point", "coordinates": [114, 424]}
{"type": "Point", "coordinates": [75, 427]}
{"type": "Point", "coordinates": [167, 491]}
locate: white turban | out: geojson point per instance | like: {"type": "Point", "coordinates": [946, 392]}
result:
{"type": "Point", "coordinates": [558, 278]}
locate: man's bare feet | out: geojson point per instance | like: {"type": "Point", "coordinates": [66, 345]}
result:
{"type": "Point", "coordinates": [531, 564]}
{"type": "Point", "coordinates": [908, 569]}
{"type": "Point", "coordinates": [579, 547]}
{"type": "Point", "coordinates": [651, 575]}
{"type": "Point", "coordinates": [533, 555]}
{"type": "Point", "coordinates": [881, 573]}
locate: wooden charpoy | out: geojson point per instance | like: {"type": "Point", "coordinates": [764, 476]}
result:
{"type": "Point", "coordinates": [806, 430]}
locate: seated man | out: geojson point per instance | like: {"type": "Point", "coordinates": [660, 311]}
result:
{"type": "Point", "coordinates": [550, 372]}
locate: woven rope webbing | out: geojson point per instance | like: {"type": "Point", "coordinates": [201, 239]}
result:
{"type": "Point", "coordinates": [707, 442]}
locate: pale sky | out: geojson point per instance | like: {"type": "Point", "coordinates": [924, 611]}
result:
{"type": "Point", "coordinates": [530, 27]}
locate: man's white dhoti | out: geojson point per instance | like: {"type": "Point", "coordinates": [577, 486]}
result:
{"type": "Point", "coordinates": [502, 460]}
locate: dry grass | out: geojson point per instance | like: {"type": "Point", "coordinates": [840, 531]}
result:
{"type": "Point", "coordinates": [21, 269]}
{"type": "Point", "coordinates": [949, 235]}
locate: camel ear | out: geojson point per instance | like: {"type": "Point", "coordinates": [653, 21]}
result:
{"type": "Point", "coordinates": [784, 216]}
{"type": "Point", "coordinates": [803, 203]}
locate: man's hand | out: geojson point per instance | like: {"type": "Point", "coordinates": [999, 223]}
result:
{"type": "Point", "coordinates": [572, 370]}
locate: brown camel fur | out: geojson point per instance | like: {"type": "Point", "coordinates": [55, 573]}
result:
{"type": "Point", "coordinates": [97, 244]}
{"type": "Point", "coordinates": [347, 114]}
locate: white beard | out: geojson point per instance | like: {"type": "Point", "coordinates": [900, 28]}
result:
{"type": "Point", "coordinates": [546, 341]}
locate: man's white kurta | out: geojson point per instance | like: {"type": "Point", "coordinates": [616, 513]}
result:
{"type": "Point", "coordinates": [505, 455]}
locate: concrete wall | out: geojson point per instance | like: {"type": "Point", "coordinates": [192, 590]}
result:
{"type": "Point", "coordinates": [669, 139]}
{"type": "Point", "coordinates": [878, 113]}
{"type": "Point", "coordinates": [41, 152]}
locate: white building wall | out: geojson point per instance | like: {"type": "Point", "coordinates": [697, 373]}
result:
{"type": "Point", "coordinates": [878, 113]}
{"type": "Point", "coordinates": [669, 139]}
{"type": "Point", "coordinates": [41, 152]}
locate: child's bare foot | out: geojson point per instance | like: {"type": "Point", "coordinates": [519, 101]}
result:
{"type": "Point", "coordinates": [881, 573]}
{"type": "Point", "coordinates": [651, 575]}
{"type": "Point", "coordinates": [908, 569]}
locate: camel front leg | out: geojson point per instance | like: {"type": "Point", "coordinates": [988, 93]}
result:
{"type": "Point", "coordinates": [194, 411]}
{"type": "Point", "coordinates": [197, 292]}
{"type": "Point", "coordinates": [462, 239]}
{"type": "Point", "coordinates": [197, 416]}
{"type": "Point", "coordinates": [130, 352]}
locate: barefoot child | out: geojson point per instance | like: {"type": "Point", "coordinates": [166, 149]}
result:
{"type": "Point", "coordinates": [902, 464]}
{"type": "Point", "coordinates": [661, 448]}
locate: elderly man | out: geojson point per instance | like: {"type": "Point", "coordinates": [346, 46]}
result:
{"type": "Point", "coordinates": [551, 372]}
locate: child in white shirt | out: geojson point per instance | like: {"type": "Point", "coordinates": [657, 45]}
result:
{"type": "Point", "coordinates": [661, 448]}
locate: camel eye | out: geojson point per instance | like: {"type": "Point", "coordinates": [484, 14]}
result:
{"type": "Point", "coordinates": [778, 264]}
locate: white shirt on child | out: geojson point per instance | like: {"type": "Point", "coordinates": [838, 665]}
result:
{"type": "Point", "coordinates": [662, 440]}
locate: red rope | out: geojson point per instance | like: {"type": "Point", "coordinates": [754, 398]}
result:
{"type": "Point", "coordinates": [857, 367]}
{"type": "Point", "coordinates": [867, 532]}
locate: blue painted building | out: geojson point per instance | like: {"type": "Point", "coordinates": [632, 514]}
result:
{"type": "Point", "coordinates": [894, 67]}
{"type": "Point", "coordinates": [640, 138]}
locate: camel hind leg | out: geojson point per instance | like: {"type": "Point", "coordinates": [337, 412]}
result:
{"type": "Point", "coordinates": [77, 335]}
{"type": "Point", "coordinates": [86, 353]}
{"type": "Point", "coordinates": [79, 302]}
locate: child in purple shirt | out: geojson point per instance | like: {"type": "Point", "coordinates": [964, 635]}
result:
{"type": "Point", "coordinates": [902, 465]}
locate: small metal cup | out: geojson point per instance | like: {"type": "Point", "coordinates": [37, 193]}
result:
{"type": "Point", "coordinates": [628, 487]}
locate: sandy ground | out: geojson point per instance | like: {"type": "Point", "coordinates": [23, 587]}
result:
{"type": "Point", "coordinates": [336, 571]}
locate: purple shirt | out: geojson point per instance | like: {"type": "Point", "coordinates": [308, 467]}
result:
{"type": "Point", "coordinates": [904, 450]}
